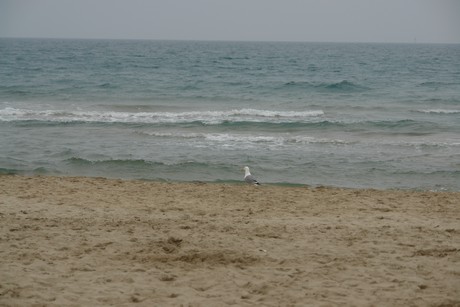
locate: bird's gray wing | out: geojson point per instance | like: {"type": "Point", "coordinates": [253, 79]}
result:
{"type": "Point", "coordinates": [251, 179]}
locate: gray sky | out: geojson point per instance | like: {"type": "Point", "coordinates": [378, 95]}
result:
{"type": "Point", "coordinates": [435, 21]}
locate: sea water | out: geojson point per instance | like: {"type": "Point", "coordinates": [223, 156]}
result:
{"type": "Point", "coordinates": [336, 114]}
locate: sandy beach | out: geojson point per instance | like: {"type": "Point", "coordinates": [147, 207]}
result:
{"type": "Point", "coordinates": [77, 241]}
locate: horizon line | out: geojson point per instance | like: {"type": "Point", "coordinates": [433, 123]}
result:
{"type": "Point", "coordinates": [231, 40]}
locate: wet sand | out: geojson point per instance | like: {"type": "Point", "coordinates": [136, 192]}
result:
{"type": "Point", "coordinates": [77, 241]}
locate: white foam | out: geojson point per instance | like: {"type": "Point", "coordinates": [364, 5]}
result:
{"type": "Point", "coordinates": [207, 117]}
{"type": "Point", "coordinates": [234, 138]}
{"type": "Point", "coordinates": [439, 111]}
{"type": "Point", "coordinates": [224, 138]}
{"type": "Point", "coordinates": [267, 113]}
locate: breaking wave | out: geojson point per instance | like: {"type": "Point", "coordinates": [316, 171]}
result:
{"type": "Point", "coordinates": [206, 117]}
{"type": "Point", "coordinates": [439, 111]}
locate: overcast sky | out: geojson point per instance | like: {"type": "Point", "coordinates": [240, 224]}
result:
{"type": "Point", "coordinates": [435, 21]}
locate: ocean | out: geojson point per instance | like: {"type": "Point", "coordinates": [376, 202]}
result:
{"type": "Point", "coordinates": [353, 115]}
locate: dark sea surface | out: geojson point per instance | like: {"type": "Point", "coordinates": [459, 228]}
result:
{"type": "Point", "coordinates": [336, 114]}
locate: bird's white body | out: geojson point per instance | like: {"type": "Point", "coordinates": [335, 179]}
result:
{"type": "Point", "coordinates": [246, 171]}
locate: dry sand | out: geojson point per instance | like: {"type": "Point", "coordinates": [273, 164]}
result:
{"type": "Point", "coordinates": [92, 242]}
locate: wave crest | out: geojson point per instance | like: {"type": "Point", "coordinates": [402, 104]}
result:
{"type": "Point", "coordinates": [340, 86]}
{"type": "Point", "coordinates": [439, 111]}
{"type": "Point", "coordinates": [206, 117]}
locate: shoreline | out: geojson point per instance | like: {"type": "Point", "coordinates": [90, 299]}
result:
{"type": "Point", "coordinates": [231, 182]}
{"type": "Point", "coordinates": [92, 240]}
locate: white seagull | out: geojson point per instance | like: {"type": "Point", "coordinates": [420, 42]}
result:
{"type": "Point", "coordinates": [249, 178]}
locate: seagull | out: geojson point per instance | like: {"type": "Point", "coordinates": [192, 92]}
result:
{"type": "Point", "coordinates": [249, 178]}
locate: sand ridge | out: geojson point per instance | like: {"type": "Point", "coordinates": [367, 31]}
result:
{"type": "Point", "coordinates": [78, 241]}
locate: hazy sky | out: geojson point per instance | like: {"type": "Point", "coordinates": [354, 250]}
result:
{"type": "Point", "coordinates": [435, 21]}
